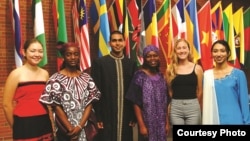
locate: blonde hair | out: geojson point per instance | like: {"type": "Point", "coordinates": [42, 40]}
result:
{"type": "Point", "coordinates": [171, 69]}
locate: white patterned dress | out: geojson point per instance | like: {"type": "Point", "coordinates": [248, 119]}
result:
{"type": "Point", "coordinates": [73, 94]}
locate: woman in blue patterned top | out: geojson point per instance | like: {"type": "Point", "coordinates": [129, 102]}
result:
{"type": "Point", "coordinates": [225, 93]}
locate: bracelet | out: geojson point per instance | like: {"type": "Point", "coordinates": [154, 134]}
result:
{"type": "Point", "coordinates": [79, 126]}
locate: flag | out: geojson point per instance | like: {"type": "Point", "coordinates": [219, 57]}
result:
{"type": "Point", "coordinates": [178, 20]}
{"type": "Point", "coordinates": [81, 33]}
{"type": "Point", "coordinates": [94, 16]}
{"type": "Point", "coordinates": [239, 37]}
{"type": "Point", "coordinates": [192, 29]}
{"type": "Point", "coordinates": [115, 15]}
{"type": "Point", "coordinates": [134, 10]}
{"type": "Point", "coordinates": [126, 29]}
{"type": "Point", "coordinates": [229, 30]}
{"type": "Point", "coordinates": [142, 33]}
{"type": "Point", "coordinates": [101, 25]}
{"type": "Point", "coordinates": [150, 23]}
{"type": "Point", "coordinates": [205, 29]}
{"type": "Point", "coordinates": [165, 32]}
{"type": "Point", "coordinates": [246, 18]}
{"type": "Point", "coordinates": [217, 22]}
{"type": "Point", "coordinates": [39, 28]}
{"type": "Point", "coordinates": [16, 24]}
{"type": "Point", "coordinates": [60, 27]}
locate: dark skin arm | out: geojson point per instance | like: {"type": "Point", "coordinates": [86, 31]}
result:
{"type": "Point", "coordinates": [142, 127]}
{"type": "Point", "coordinates": [73, 132]}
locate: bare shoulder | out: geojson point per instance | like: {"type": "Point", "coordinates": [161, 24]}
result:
{"type": "Point", "coordinates": [44, 73]}
{"type": "Point", "coordinates": [198, 69]}
{"type": "Point", "coordinates": [14, 76]}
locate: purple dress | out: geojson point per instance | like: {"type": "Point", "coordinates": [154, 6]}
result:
{"type": "Point", "coordinates": [150, 94]}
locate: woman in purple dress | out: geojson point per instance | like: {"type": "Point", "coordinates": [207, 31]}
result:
{"type": "Point", "coordinates": [148, 92]}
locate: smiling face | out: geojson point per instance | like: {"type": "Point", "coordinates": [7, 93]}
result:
{"type": "Point", "coordinates": [182, 50]}
{"type": "Point", "coordinates": [219, 53]}
{"type": "Point", "coordinates": [117, 43]}
{"type": "Point", "coordinates": [33, 53]}
{"type": "Point", "coordinates": [152, 59]}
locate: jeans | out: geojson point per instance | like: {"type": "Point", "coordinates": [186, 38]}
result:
{"type": "Point", "coordinates": [185, 112]}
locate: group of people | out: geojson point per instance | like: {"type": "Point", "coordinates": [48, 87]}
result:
{"type": "Point", "coordinates": [122, 94]}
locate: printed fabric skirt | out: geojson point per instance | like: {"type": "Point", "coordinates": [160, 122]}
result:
{"type": "Point", "coordinates": [35, 128]}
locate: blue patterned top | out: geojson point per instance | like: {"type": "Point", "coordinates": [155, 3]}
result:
{"type": "Point", "coordinates": [232, 98]}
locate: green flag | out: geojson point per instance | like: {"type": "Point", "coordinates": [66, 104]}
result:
{"type": "Point", "coordinates": [60, 26]}
{"type": "Point", "coordinates": [246, 19]}
{"type": "Point", "coordinates": [229, 30]}
{"type": "Point", "coordinates": [39, 28]}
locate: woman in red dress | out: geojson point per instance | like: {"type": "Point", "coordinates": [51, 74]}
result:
{"type": "Point", "coordinates": [28, 117]}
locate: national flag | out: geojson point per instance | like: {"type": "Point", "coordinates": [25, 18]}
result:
{"type": "Point", "coordinates": [134, 11]}
{"type": "Point", "coordinates": [239, 37]}
{"type": "Point", "coordinates": [217, 22]}
{"type": "Point", "coordinates": [142, 37]}
{"type": "Point", "coordinates": [134, 28]}
{"type": "Point", "coordinates": [17, 34]}
{"type": "Point", "coordinates": [205, 27]}
{"type": "Point", "coordinates": [229, 30]}
{"type": "Point", "coordinates": [178, 20]}
{"type": "Point", "coordinates": [126, 29]}
{"type": "Point", "coordinates": [150, 23]}
{"type": "Point", "coordinates": [81, 33]}
{"type": "Point", "coordinates": [101, 25]}
{"type": "Point", "coordinates": [165, 32]}
{"type": "Point", "coordinates": [192, 29]}
{"type": "Point", "coordinates": [60, 27]}
{"type": "Point", "coordinates": [246, 18]}
{"type": "Point", "coordinates": [115, 15]}
{"type": "Point", "coordinates": [37, 11]}
{"type": "Point", "coordinates": [94, 16]}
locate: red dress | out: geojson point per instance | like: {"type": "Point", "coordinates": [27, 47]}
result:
{"type": "Point", "coordinates": [31, 118]}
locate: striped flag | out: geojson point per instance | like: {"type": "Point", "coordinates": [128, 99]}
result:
{"type": "Point", "coordinates": [39, 28]}
{"type": "Point", "coordinates": [239, 37]}
{"type": "Point", "coordinates": [60, 27]}
{"type": "Point", "coordinates": [192, 29]}
{"type": "Point", "coordinates": [115, 15]}
{"type": "Point", "coordinates": [205, 29]}
{"type": "Point", "coordinates": [150, 23]}
{"type": "Point", "coordinates": [101, 28]}
{"type": "Point", "coordinates": [217, 22]}
{"type": "Point", "coordinates": [104, 31]}
{"type": "Point", "coordinates": [229, 30]}
{"type": "Point", "coordinates": [81, 33]}
{"type": "Point", "coordinates": [247, 36]}
{"type": "Point", "coordinates": [165, 32]}
{"type": "Point", "coordinates": [126, 29]}
{"type": "Point", "coordinates": [178, 20]}
{"type": "Point", "coordinates": [134, 29]}
{"type": "Point", "coordinates": [16, 24]}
